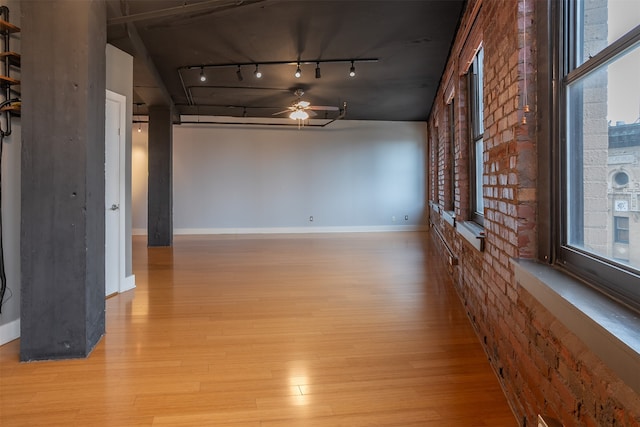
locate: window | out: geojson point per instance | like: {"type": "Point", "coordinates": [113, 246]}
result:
{"type": "Point", "coordinates": [452, 155]}
{"type": "Point", "coordinates": [476, 149]}
{"type": "Point", "coordinates": [621, 232]}
{"type": "Point", "coordinates": [621, 179]}
{"type": "Point", "coordinates": [600, 92]}
{"type": "Point", "coordinates": [435, 161]}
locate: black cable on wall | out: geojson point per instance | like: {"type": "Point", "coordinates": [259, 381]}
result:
{"type": "Point", "coordinates": [3, 275]}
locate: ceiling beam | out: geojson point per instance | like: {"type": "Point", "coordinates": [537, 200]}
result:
{"type": "Point", "coordinates": [150, 96]}
{"type": "Point", "coordinates": [160, 96]}
{"type": "Point", "coordinates": [206, 5]}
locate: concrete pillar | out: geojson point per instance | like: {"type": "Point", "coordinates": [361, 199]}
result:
{"type": "Point", "coordinates": [62, 178]}
{"type": "Point", "coordinates": [160, 195]}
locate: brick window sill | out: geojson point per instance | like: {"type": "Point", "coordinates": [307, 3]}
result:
{"type": "Point", "coordinates": [608, 329]}
{"type": "Point", "coordinates": [449, 216]}
{"type": "Point", "coordinates": [472, 233]}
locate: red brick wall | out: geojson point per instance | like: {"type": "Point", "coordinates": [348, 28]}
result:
{"type": "Point", "coordinates": [542, 367]}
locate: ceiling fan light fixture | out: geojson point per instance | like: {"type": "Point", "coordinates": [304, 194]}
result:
{"type": "Point", "coordinates": [239, 74]}
{"type": "Point", "coordinates": [318, 70]}
{"type": "Point", "coordinates": [352, 70]}
{"type": "Point", "coordinates": [257, 73]}
{"type": "Point", "coordinates": [298, 72]}
{"type": "Point", "coordinates": [203, 77]}
{"type": "Point", "coordinates": [299, 115]}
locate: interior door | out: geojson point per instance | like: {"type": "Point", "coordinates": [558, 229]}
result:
{"type": "Point", "coordinates": [114, 221]}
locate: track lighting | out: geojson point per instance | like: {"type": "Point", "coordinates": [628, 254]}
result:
{"type": "Point", "coordinates": [257, 72]}
{"type": "Point", "coordinates": [137, 108]}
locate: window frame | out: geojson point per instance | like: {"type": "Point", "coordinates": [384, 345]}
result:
{"type": "Point", "coordinates": [475, 78]}
{"type": "Point", "coordinates": [619, 281]}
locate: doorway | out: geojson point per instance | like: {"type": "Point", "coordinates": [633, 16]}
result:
{"type": "Point", "coordinates": [115, 116]}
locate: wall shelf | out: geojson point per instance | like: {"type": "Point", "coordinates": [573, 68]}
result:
{"type": "Point", "coordinates": [8, 81]}
{"type": "Point", "coordinates": [13, 108]}
{"type": "Point", "coordinates": [12, 57]}
{"type": "Point", "coordinates": [7, 27]}
{"type": "Point", "coordinates": [10, 63]}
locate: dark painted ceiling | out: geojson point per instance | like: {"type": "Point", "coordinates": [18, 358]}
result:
{"type": "Point", "coordinates": [405, 43]}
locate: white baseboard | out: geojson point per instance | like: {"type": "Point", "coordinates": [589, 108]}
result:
{"type": "Point", "coordinates": [128, 283]}
{"type": "Point", "coordinates": [301, 230]}
{"type": "Point", "coordinates": [9, 331]}
{"type": "Point", "coordinates": [139, 231]}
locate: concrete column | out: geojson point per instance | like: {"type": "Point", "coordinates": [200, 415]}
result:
{"type": "Point", "coordinates": [62, 178]}
{"type": "Point", "coordinates": [160, 195]}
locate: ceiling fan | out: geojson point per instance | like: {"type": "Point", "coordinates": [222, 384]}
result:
{"type": "Point", "coordinates": [302, 110]}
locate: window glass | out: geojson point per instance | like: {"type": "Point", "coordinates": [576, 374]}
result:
{"type": "Point", "coordinates": [597, 113]}
{"type": "Point", "coordinates": [477, 96]}
{"type": "Point", "coordinates": [599, 193]}
{"type": "Point", "coordinates": [479, 202]}
{"type": "Point", "coordinates": [477, 134]}
{"type": "Point", "coordinates": [601, 22]}
{"type": "Point", "coordinates": [452, 154]}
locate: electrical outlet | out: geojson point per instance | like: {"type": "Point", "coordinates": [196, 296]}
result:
{"type": "Point", "coordinates": [311, 218]}
{"type": "Point", "coordinates": [406, 217]}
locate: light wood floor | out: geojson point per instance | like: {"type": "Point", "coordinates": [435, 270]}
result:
{"type": "Point", "coordinates": [299, 330]}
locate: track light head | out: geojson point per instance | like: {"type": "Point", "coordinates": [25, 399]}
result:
{"type": "Point", "coordinates": [257, 73]}
{"type": "Point", "coordinates": [352, 70]}
{"type": "Point", "coordinates": [239, 74]}
{"type": "Point", "coordinates": [318, 70]}
{"type": "Point", "coordinates": [298, 72]}
{"type": "Point", "coordinates": [203, 77]}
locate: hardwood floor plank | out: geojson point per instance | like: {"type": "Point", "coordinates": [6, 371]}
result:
{"type": "Point", "coordinates": [403, 418]}
{"type": "Point", "coordinates": [295, 414]}
{"type": "Point", "coordinates": [268, 331]}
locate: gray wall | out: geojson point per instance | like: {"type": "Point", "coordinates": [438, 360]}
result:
{"type": "Point", "coordinates": [352, 175]}
{"type": "Point", "coordinates": [10, 316]}
{"type": "Point", "coordinates": [139, 177]}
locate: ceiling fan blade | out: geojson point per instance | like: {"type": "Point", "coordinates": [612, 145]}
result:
{"type": "Point", "coordinates": [323, 108]}
{"type": "Point", "coordinates": [311, 113]}
{"type": "Point", "coordinates": [282, 112]}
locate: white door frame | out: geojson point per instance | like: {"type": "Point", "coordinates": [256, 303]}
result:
{"type": "Point", "coordinates": [122, 101]}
